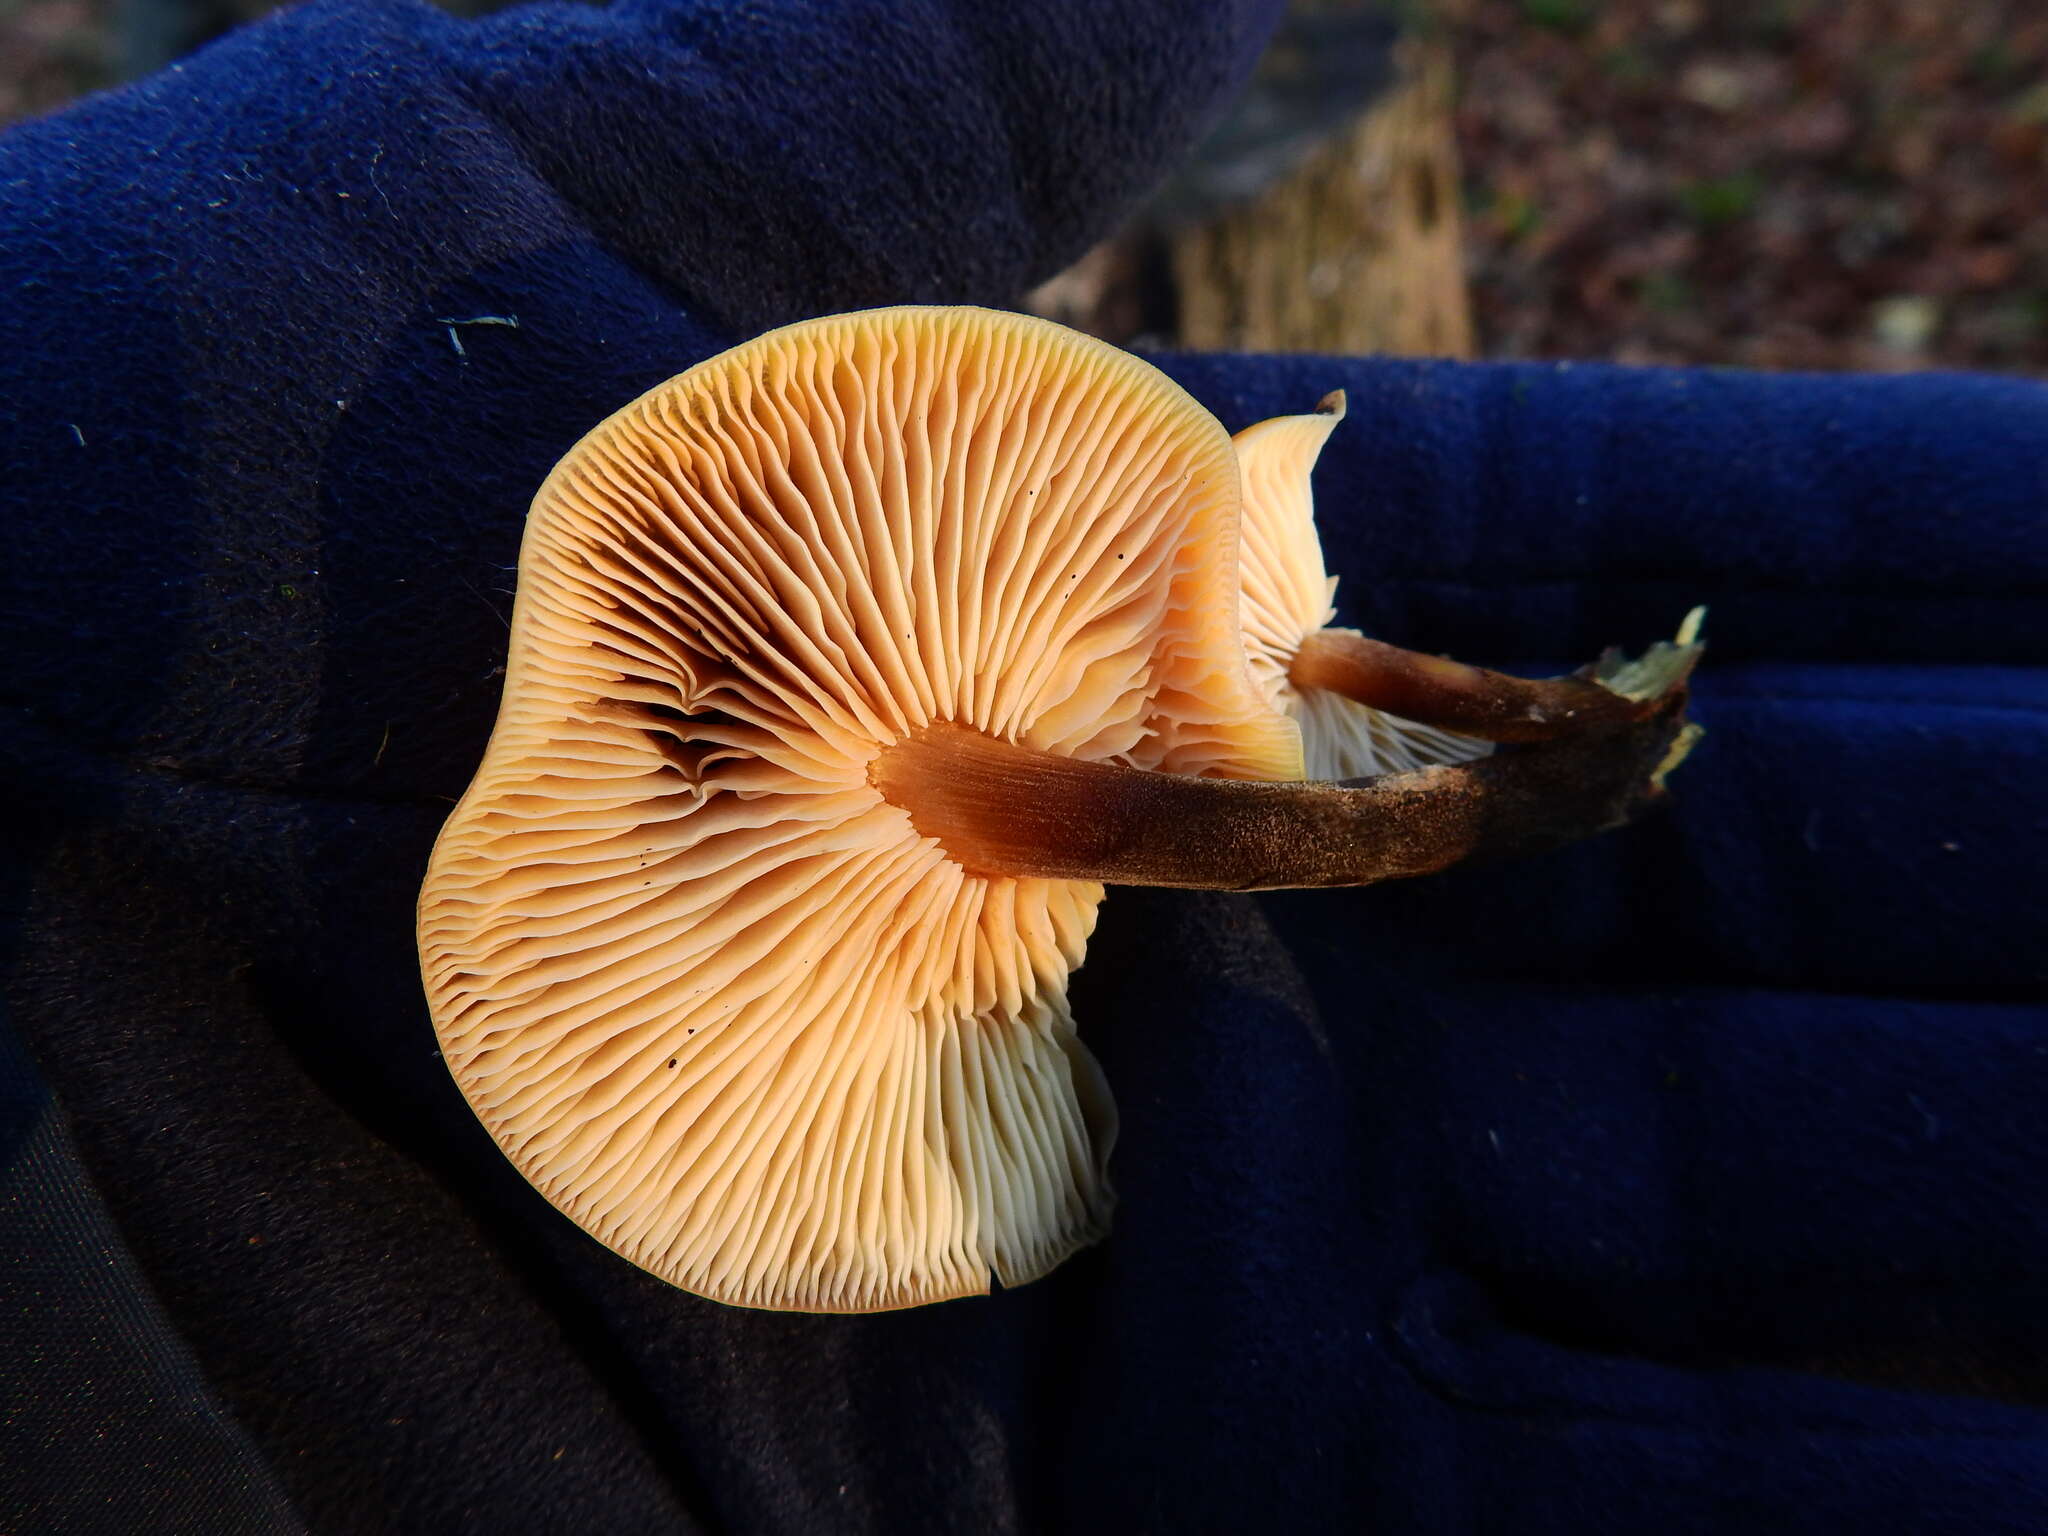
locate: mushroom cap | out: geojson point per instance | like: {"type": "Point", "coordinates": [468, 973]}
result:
{"type": "Point", "coordinates": [1288, 595]}
{"type": "Point", "coordinates": [714, 996]}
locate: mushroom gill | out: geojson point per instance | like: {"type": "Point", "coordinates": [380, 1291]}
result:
{"type": "Point", "coordinates": [717, 998]}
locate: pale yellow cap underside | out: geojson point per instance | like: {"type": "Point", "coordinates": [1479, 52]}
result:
{"type": "Point", "coordinates": [717, 1000]}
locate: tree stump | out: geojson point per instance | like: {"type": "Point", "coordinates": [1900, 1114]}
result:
{"type": "Point", "coordinates": [1360, 250]}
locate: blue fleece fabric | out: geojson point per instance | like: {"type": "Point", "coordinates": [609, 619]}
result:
{"type": "Point", "coordinates": [1688, 1180]}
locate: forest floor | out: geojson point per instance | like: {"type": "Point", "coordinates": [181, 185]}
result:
{"type": "Point", "coordinates": [1832, 184]}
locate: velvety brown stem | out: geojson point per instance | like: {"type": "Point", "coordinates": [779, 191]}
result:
{"type": "Point", "coordinates": [1469, 700]}
{"type": "Point", "coordinates": [1000, 809]}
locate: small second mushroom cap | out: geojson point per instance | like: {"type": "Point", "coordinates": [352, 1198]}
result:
{"type": "Point", "coordinates": [1288, 595]}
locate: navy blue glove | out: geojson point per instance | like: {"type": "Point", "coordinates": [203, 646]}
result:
{"type": "Point", "coordinates": [1682, 1181]}
{"type": "Point", "coordinates": [1687, 1180]}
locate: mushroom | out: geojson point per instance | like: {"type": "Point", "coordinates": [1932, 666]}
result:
{"type": "Point", "coordinates": [1341, 687]}
{"type": "Point", "coordinates": [845, 667]}
{"type": "Point", "coordinates": [1289, 599]}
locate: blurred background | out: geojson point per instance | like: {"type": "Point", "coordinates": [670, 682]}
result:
{"type": "Point", "coordinates": [1815, 184]}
